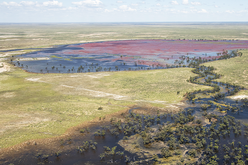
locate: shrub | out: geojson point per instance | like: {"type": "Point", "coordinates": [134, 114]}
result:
{"type": "Point", "coordinates": [165, 153]}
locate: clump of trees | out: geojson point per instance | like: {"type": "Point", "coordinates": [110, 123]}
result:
{"type": "Point", "coordinates": [86, 145]}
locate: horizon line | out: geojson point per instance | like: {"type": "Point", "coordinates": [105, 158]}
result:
{"type": "Point", "coordinates": [124, 22]}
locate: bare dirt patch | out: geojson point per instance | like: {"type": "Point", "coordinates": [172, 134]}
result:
{"type": "Point", "coordinates": [8, 95]}
{"type": "Point", "coordinates": [32, 59]}
{"type": "Point", "coordinates": [97, 93]}
{"type": "Point", "coordinates": [7, 54]}
{"type": "Point", "coordinates": [155, 101]}
{"type": "Point", "coordinates": [20, 120]}
{"type": "Point", "coordinates": [39, 39]}
{"type": "Point", "coordinates": [239, 97]}
{"type": "Point", "coordinates": [34, 79]}
{"type": "Point", "coordinates": [14, 39]}
{"type": "Point", "coordinates": [4, 67]}
{"type": "Point", "coordinates": [8, 36]}
{"type": "Point", "coordinates": [100, 75]}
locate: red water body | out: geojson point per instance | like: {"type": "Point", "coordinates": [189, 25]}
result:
{"type": "Point", "coordinates": [156, 51]}
{"type": "Point", "coordinates": [159, 47]}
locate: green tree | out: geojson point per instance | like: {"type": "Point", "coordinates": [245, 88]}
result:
{"type": "Point", "coordinates": [165, 153]}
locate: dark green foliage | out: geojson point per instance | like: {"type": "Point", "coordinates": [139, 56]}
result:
{"type": "Point", "coordinates": [155, 158]}
{"type": "Point", "coordinates": [86, 146]}
{"type": "Point", "coordinates": [166, 153]}
{"type": "Point", "coordinates": [192, 153]}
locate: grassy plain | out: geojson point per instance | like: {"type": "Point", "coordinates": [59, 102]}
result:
{"type": "Point", "coordinates": [14, 36]}
{"type": "Point", "coordinates": [46, 105]}
{"type": "Point", "coordinates": [234, 70]}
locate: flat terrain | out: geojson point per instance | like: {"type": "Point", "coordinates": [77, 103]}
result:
{"type": "Point", "coordinates": [46, 105]}
{"type": "Point", "coordinates": [13, 36]}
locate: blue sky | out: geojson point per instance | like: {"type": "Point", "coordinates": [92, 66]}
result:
{"type": "Point", "coordinates": [124, 11]}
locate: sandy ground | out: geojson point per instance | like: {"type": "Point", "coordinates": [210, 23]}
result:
{"type": "Point", "coordinates": [98, 93]}
{"type": "Point", "coordinates": [10, 39]}
{"type": "Point", "coordinates": [8, 95]}
{"type": "Point", "coordinates": [22, 120]}
{"type": "Point", "coordinates": [4, 67]}
{"type": "Point", "coordinates": [100, 75]}
{"type": "Point", "coordinates": [34, 79]}
{"type": "Point", "coordinates": [8, 54]}
{"type": "Point", "coordinates": [239, 97]}
{"type": "Point", "coordinates": [9, 36]}
{"type": "Point", "coordinates": [31, 59]}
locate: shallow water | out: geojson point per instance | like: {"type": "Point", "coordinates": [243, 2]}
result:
{"type": "Point", "coordinates": [122, 55]}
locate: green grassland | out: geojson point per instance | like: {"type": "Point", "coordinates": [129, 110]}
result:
{"type": "Point", "coordinates": [14, 36]}
{"type": "Point", "coordinates": [37, 106]}
{"type": "Point", "coordinates": [56, 102]}
{"type": "Point", "coordinates": [160, 85]}
{"type": "Point", "coordinates": [31, 110]}
{"type": "Point", "coordinates": [234, 70]}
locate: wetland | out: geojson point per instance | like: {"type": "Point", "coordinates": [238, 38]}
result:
{"type": "Point", "coordinates": [209, 128]}
{"type": "Point", "coordinates": [124, 55]}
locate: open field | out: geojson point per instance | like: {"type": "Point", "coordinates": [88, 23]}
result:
{"type": "Point", "coordinates": [13, 36]}
{"type": "Point", "coordinates": [46, 105]}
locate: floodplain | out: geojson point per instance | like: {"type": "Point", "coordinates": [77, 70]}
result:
{"type": "Point", "coordinates": [38, 105]}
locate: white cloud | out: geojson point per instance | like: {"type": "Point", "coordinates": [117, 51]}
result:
{"type": "Point", "coordinates": [28, 3]}
{"type": "Point", "coordinates": [107, 10]}
{"type": "Point", "coordinates": [69, 8]}
{"type": "Point", "coordinates": [119, 1]}
{"type": "Point", "coordinates": [10, 4]}
{"type": "Point", "coordinates": [134, 4]}
{"type": "Point", "coordinates": [52, 3]}
{"type": "Point", "coordinates": [184, 11]}
{"type": "Point", "coordinates": [158, 4]}
{"type": "Point", "coordinates": [230, 11]}
{"type": "Point", "coordinates": [34, 4]}
{"type": "Point", "coordinates": [203, 11]}
{"type": "Point", "coordinates": [243, 11]}
{"type": "Point", "coordinates": [174, 2]}
{"type": "Point", "coordinates": [126, 8]}
{"type": "Point", "coordinates": [195, 3]}
{"type": "Point", "coordinates": [88, 3]}
{"type": "Point", "coordinates": [185, 2]}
